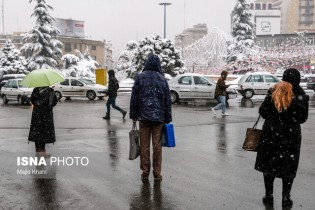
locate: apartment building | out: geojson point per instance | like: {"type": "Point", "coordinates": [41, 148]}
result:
{"type": "Point", "coordinates": [70, 44]}
{"type": "Point", "coordinates": [190, 35]}
{"type": "Point", "coordinates": [297, 15]}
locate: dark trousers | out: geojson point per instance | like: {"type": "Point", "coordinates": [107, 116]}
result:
{"type": "Point", "coordinates": [112, 101]}
{"type": "Point", "coordinates": [286, 185]}
{"type": "Point", "coordinates": [40, 147]}
{"type": "Point", "coordinates": [150, 129]}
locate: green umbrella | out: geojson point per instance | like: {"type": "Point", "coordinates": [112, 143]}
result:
{"type": "Point", "coordinates": [42, 78]}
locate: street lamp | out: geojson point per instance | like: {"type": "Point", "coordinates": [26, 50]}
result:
{"type": "Point", "coordinates": [165, 4]}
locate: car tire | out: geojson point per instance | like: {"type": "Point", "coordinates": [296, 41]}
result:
{"type": "Point", "coordinates": [4, 99]}
{"type": "Point", "coordinates": [174, 97]}
{"type": "Point", "coordinates": [248, 94]}
{"type": "Point", "coordinates": [91, 95]}
{"type": "Point", "coordinates": [20, 100]}
{"type": "Point", "coordinates": [58, 95]}
{"type": "Point", "coordinates": [100, 97]}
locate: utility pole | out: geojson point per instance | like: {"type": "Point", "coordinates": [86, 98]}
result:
{"type": "Point", "coordinates": [2, 18]}
{"type": "Point", "coordinates": [165, 4]}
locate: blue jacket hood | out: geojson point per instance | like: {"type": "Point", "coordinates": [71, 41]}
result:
{"type": "Point", "coordinates": [153, 63]}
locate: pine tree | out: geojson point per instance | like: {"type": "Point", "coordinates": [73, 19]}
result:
{"type": "Point", "coordinates": [243, 33]}
{"type": "Point", "coordinates": [70, 62]}
{"type": "Point", "coordinates": [124, 64]}
{"type": "Point", "coordinates": [171, 62]}
{"type": "Point", "coordinates": [79, 65]}
{"type": "Point", "coordinates": [42, 49]}
{"type": "Point", "coordinates": [10, 61]}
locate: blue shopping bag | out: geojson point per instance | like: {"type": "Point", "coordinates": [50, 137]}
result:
{"type": "Point", "coordinates": [168, 136]}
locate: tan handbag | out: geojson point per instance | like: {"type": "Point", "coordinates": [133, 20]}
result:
{"type": "Point", "coordinates": [252, 138]}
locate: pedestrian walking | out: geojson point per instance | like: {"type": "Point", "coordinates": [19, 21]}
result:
{"type": "Point", "coordinates": [221, 94]}
{"type": "Point", "coordinates": [150, 104]}
{"type": "Point", "coordinates": [42, 129]}
{"type": "Point", "coordinates": [284, 109]}
{"type": "Point", "coordinates": [113, 87]}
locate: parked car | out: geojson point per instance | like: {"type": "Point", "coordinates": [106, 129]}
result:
{"type": "Point", "coordinates": [310, 83]}
{"type": "Point", "coordinates": [126, 85]}
{"type": "Point", "coordinates": [256, 83]}
{"type": "Point", "coordinates": [193, 86]}
{"type": "Point", "coordinates": [79, 87]}
{"type": "Point", "coordinates": [6, 77]}
{"type": "Point", "coordinates": [13, 90]}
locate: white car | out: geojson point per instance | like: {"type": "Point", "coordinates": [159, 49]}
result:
{"type": "Point", "coordinates": [192, 86]}
{"type": "Point", "coordinates": [14, 91]}
{"type": "Point", "coordinates": [256, 83]}
{"type": "Point", "coordinates": [80, 87]}
{"type": "Point", "coordinates": [126, 85]}
{"type": "Point", "coordinates": [6, 77]}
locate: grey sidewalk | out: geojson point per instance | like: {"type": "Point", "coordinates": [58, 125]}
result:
{"type": "Point", "coordinates": [206, 170]}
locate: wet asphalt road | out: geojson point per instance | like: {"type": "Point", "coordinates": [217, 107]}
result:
{"type": "Point", "coordinates": [206, 170]}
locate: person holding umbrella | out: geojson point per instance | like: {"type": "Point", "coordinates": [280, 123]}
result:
{"type": "Point", "coordinates": [43, 99]}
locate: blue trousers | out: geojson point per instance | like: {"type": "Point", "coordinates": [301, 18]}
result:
{"type": "Point", "coordinates": [221, 105]}
{"type": "Point", "coordinates": [112, 101]}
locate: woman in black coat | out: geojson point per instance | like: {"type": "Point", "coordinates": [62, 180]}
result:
{"type": "Point", "coordinates": [284, 109]}
{"type": "Point", "coordinates": [42, 130]}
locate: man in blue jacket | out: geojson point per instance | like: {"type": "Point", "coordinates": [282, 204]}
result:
{"type": "Point", "coordinates": [150, 103]}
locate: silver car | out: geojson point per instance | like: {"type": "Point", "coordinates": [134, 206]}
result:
{"type": "Point", "coordinates": [256, 83]}
{"type": "Point", "coordinates": [80, 87]}
{"type": "Point", "coordinates": [191, 86]}
{"type": "Point", "coordinates": [13, 90]}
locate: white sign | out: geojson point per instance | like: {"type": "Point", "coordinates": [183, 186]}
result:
{"type": "Point", "coordinates": [69, 27]}
{"type": "Point", "coordinates": [268, 25]}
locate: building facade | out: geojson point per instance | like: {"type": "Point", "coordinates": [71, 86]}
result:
{"type": "Point", "coordinates": [190, 35]}
{"type": "Point", "coordinates": [70, 44]}
{"type": "Point", "coordinates": [297, 15]}
{"type": "Point", "coordinates": [266, 18]}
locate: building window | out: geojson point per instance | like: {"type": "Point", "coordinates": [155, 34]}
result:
{"type": "Point", "coordinates": [252, 6]}
{"type": "Point", "coordinates": [94, 57]}
{"type": "Point", "coordinates": [93, 47]}
{"type": "Point", "coordinates": [67, 47]}
{"type": "Point", "coordinates": [258, 6]}
{"type": "Point", "coordinates": [264, 6]}
{"type": "Point", "coordinates": [269, 6]}
{"type": "Point", "coordinates": [75, 46]}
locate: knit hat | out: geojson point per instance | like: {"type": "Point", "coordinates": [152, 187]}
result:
{"type": "Point", "coordinates": [292, 76]}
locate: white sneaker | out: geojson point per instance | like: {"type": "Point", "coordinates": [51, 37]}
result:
{"type": "Point", "coordinates": [225, 114]}
{"type": "Point", "coordinates": [213, 111]}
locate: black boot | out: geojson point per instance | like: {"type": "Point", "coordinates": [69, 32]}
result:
{"type": "Point", "coordinates": [268, 198]}
{"type": "Point", "coordinates": [124, 114]}
{"type": "Point", "coordinates": [107, 116]}
{"type": "Point", "coordinates": [286, 190]}
{"type": "Point", "coordinates": [287, 202]}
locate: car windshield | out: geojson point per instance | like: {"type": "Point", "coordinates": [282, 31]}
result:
{"type": "Point", "coordinates": [87, 81]}
{"type": "Point", "coordinates": [20, 84]}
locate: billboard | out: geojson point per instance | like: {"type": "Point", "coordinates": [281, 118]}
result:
{"type": "Point", "coordinates": [268, 25]}
{"type": "Point", "coordinates": [69, 27]}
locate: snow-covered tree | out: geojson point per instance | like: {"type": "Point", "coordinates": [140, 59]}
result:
{"type": "Point", "coordinates": [79, 65]}
{"type": "Point", "coordinates": [170, 57]}
{"type": "Point", "coordinates": [206, 52]}
{"type": "Point", "coordinates": [124, 64]}
{"type": "Point", "coordinates": [242, 43]}
{"type": "Point", "coordinates": [70, 62]}
{"type": "Point", "coordinates": [10, 61]}
{"type": "Point", "coordinates": [42, 49]}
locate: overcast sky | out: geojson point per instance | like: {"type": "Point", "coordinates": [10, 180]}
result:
{"type": "Point", "coordinates": [124, 20]}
